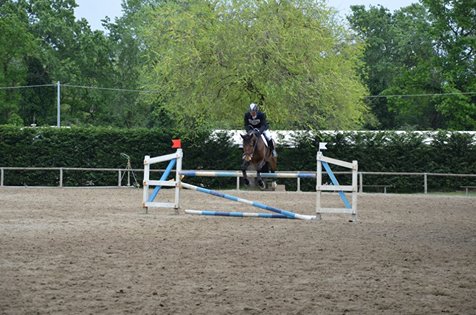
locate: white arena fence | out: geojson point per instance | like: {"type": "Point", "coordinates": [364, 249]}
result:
{"type": "Point", "coordinates": [124, 177]}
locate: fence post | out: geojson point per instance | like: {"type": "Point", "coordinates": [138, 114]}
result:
{"type": "Point", "coordinates": [298, 184]}
{"type": "Point", "coordinates": [1, 176]}
{"type": "Point", "coordinates": [425, 182]}
{"type": "Point", "coordinates": [61, 177]}
{"type": "Point", "coordinates": [58, 104]}
{"type": "Point", "coordinates": [361, 177]}
{"type": "Point", "coordinates": [119, 178]}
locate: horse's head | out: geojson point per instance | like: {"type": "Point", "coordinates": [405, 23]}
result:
{"type": "Point", "coordinates": [249, 145]}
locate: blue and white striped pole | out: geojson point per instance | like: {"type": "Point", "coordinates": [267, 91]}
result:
{"type": "Point", "coordinates": [162, 178]}
{"type": "Point", "coordinates": [336, 183]}
{"type": "Point", "coordinates": [237, 214]}
{"type": "Point", "coordinates": [288, 214]}
{"type": "Point", "coordinates": [192, 173]}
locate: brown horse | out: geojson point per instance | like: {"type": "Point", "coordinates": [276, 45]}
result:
{"type": "Point", "coordinates": [257, 154]}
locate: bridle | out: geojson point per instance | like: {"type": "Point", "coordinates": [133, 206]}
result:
{"type": "Point", "coordinates": [249, 156]}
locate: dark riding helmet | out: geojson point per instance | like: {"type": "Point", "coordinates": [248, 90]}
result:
{"type": "Point", "coordinates": [253, 107]}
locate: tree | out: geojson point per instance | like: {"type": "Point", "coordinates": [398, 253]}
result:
{"type": "Point", "coordinates": [16, 45]}
{"type": "Point", "coordinates": [42, 43]}
{"type": "Point", "coordinates": [75, 55]}
{"type": "Point", "coordinates": [454, 32]}
{"type": "Point", "coordinates": [209, 59]}
{"type": "Point", "coordinates": [380, 66]}
{"type": "Point", "coordinates": [127, 49]}
{"type": "Point", "coordinates": [417, 73]}
{"type": "Point", "coordinates": [408, 53]}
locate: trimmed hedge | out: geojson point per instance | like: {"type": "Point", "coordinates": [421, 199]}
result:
{"type": "Point", "coordinates": [446, 152]}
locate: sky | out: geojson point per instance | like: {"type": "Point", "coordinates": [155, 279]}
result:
{"type": "Point", "coordinates": [96, 10]}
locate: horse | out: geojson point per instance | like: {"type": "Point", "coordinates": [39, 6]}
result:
{"type": "Point", "coordinates": [257, 154]}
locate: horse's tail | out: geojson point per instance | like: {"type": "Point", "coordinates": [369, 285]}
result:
{"type": "Point", "coordinates": [273, 164]}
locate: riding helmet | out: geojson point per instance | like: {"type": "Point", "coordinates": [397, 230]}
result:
{"type": "Point", "coordinates": [253, 107]}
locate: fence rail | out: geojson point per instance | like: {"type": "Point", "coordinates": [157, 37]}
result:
{"type": "Point", "coordinates": [121, 172]}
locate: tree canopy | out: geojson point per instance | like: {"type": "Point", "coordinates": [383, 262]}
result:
{"type": "Point", "coordinates": [210, 59]}
{"type": "Point", "coordinates": [420, 63]}
{"type": "Point", "coordinates": [198, 64]}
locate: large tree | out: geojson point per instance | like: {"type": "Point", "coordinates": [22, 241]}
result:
{"type": "Point", "coordinates": [17, 46]}
{"type": "Point", "coordinates": [414, 61]}
{"type": "Point", "coordinates": [454, 33]}
{"type": "Point", "coordinates": [41, 42]}
{"type": "Point", "coordinates": [76, 56]}
{"type": "Point", "coordinates": [210, 59]}
{"type": "Point", "coordinates": [127, 49]}
{"type": "Point", "coordinates": [419, 64]}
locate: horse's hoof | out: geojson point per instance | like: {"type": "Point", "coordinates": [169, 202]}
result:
{"type": "Point", "coordinates": [262, 185]}
{"type": "Point", "coordinates": [246, 181]}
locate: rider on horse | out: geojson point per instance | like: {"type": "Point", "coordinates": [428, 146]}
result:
{"type": "Point", "coordinates": [254, 119]}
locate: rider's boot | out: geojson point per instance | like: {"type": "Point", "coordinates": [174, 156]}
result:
{"type": "Point", "coordinates": [271, 147]}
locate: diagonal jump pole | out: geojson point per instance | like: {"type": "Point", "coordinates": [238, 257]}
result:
{"type": "Point", "coordinates": [288, 214]}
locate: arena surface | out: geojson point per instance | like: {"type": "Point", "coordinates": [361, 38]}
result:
{"type": "Point", "coordinates": [95, 251]}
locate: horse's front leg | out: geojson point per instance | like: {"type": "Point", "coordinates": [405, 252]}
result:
{"type": "Point", "coordinates": [244, 167]}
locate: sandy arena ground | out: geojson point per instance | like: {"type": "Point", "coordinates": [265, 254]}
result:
{"type": "Point", "coordinates": [95, 251]}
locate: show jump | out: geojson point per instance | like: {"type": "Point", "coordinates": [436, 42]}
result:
{"type": "Point", "coordinates": [175, 160]}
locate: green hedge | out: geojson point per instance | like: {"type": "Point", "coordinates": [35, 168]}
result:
{"type": "Point", "coordinates": [445, 152]}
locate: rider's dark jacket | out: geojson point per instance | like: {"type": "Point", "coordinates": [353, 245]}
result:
{"type": "Point", "coordinates": [259, 122]}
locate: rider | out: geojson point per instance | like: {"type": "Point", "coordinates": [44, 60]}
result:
{"type": "Point", "coordinates": [256, 119]}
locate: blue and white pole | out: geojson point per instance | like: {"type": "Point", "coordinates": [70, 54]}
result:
{"type": "Point", "coordinates": [288, 214]}
{"type": "Point", "coordinates": [162, 178]}
{"type": "Point", "coordinates": [237, 214]}
{"type": "Point", "coordinates": [192, 173]}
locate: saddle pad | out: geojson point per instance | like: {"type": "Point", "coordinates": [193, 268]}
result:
{"type": "Point", "coordinates": [264, 140]}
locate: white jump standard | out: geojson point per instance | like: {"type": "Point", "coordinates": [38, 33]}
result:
{"type": "Point", "coordinates": [175, 159]}
{"type": "Point", "coordinates": [325, 161]}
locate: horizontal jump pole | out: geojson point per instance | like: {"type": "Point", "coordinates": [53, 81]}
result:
{"type": "Point", "coordinates": [237, 214]}
{"type": "Point", "coordinates": [335, 162]}
{"type": "Point", "coordinates": [288, 214]}
{"type": "Point", "coordinates": [191, 173]}
{"type": "Point", "coordinates": [162, 158]}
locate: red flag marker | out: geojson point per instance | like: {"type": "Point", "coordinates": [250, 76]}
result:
{"type": "Point", "coordinates": [176, 144]}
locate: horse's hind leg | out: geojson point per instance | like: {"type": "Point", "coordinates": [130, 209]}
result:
{"type": "Point", "coordinates": [273, 163]}
{"type": "Point", "coordinates": [272, 168]}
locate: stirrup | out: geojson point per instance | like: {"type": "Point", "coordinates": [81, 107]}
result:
{"type": "Point", "coordinates": [275, 154]}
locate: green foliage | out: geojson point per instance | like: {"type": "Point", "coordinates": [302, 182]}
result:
{"type": "Point", "coordinates": [195, 65]}
{"type": "Point", "coordinates": [41, 43]}
{"type": "Point", "coordinates": [210, 59]}
{"type": "Point", "coordinates": [454, 34]}
{"type": "Point", "coordinates": [16, 43]}
{"type": "Point", "coordinates": [15, 120]}
{"type": "Point", "coordinates": [445, 152]}
{"type": "Point", "coordinates": [419, 52]}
